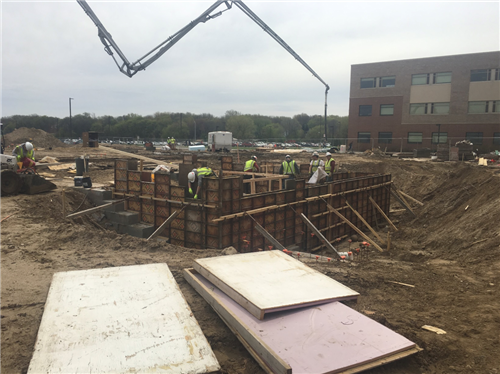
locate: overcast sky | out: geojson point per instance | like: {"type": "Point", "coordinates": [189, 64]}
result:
{"type": "Point", "coordinates": [51, 52]}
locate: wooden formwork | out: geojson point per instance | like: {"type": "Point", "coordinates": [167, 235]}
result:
{"type": "Point", "coordinates": [224, 217]}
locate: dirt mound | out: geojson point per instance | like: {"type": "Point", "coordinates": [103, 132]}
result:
{"type": "Point", "coordinates": [39, 138]}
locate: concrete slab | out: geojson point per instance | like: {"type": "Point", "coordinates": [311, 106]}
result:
{"type": "Point", "coordinates": [119, 207]}
{"type": "Point", "coordinates": [323, 339]}
{"type": "Point", "coordinates": [123, 218]}
{"type": "Point", "coordinates": [139, 230]}
{"type": "Point", "coordinates": [119, 320]}
{"type": "Point", "coordinates": [271, 281]}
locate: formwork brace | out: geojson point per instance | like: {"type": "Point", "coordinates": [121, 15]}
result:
{"type": "Point", "coordinates": [307, 200]}
{"type": "Point", "coordinates": [266, 235]}
{"type": "Point", "coordinates": [167, 222]}
{"type": "Point", "coordinates": [147, 197]}
{"type": "Point", "coordinates": [364, 221]}
{"type": "Point", "coordinates": [318, 234]}
{"type": "Point", "coordinates": [374, 203]}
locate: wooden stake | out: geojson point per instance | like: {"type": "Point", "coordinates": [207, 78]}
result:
{"type": "Point", "coordinates": [388, 241]}
{"type": "Point", "coordinates": [411, 198]}
{"type": "Point", "coordinates": [382, 212]}
{"type": "Point", "coordinates": [364, 221]}
{"type": "Point", "coordinates": [92, 210]}
{"type": "Point", "coordinates": [167, 222]}
{"type": "Point", "coordinates": [141, 165]}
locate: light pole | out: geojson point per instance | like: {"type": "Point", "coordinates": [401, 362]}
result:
{"type": "Point", "coordinates": [70, 128]}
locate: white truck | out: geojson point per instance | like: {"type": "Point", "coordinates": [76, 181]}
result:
{"type": "Point", "coordinates": [220, 141]}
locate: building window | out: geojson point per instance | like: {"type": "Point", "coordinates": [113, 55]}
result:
{"type": "Point", "coordinates": [387, 109]}
{"type": "Point", "coordinates": [474, 137]}
{"type": "Point", "coordinates": [417, 79]}
{"type": "Point", "coordinates": [496, 138]}
{"type": "Point", "coordinates": [368, 82]}
{"type": "Point", "coordinates": [442, 136]}
{"type": "Point", "coordinates": [496, 106]}
{"type": "Point", "coordinates": [365, 110]}
{"type": "Point", "coordinates": [440, 108]}
{"type": "Point", "coordinates": [416, 109]}
{"type": "Point", "coordinates": [478, 107]}
{"type": "Point", "coordinates": [363, 137]}
{"type": "Point", "coordinates": [497, 74]}
{"type": "Point", "coordinates": [480, 75]}
{"type": "Point", "coordinates": [385, 137]}
{"type": "Point", "coordinates": [442, 78]}
{"type": "Point", "coordinates": [388, 81]}
{"type": "Point", "coordinates": [414, 137]}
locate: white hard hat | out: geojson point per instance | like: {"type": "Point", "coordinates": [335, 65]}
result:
{"type": "Point", "coordinates": [288, 156]}
{"type": "Point", "coordinates": [254, 157]}
{"type": "Point", "coordinates": [28, 146]}
{"type": "Point", "coordinates": [315, 154]}
{"type": "Point", "coordinates": [191, 176]}
{"type": "Point", "coordinates": [328, 154]}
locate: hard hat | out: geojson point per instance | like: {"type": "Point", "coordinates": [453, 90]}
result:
{"type": "Point", "coordinates": [315, 154]}
{"type": "Point", "coordinates": [288, 156]}
{"type": "Point", "coordinates": [328, 154]}
{"type": "Point", "coordinates": [191, 176]}
{"type": "Point", "coordinates": [254, 157]}
{"type": "Point", "coordinates": [28, 146]}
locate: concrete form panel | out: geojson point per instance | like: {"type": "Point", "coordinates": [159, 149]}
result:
{"type": "Point", "coordinates": [117, 320]}
{"type": "Point", "coordinates": [330, 338]}
{"type": "Point", "coordinates": [271, 281]}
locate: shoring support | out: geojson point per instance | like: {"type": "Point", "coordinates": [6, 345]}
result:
{"type": "Point", "coordinates": [382, 212]}
{"type": "Point", "coordinates": [264, 233]}
{"type": "Point", "coordinates": [403, 204]}
{"type": "Point", "coordinates": [318, 234]}
{"type": "Point", "coordinates": [167, 222]}
{"type": "Point", "coordinates": [364, 221]}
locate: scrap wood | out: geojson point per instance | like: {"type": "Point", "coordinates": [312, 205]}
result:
{"type": "Point", "coordinates": [3, 219]}
{"type": "Point", "coordinates": [62, 166]}
{"type": "Point", "coordinates": [411, 198]}
{"type": "Point", "coordinates": [402, 284]}
{"type": "Point", "coordinates": [47, 175]}
{"type": "Point", "coordinates": [434, 329]}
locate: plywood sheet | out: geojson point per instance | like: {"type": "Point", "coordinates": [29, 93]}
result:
{"type": "Point", "coordinates": [117, 320]}
{"type": "Point", "coordinates": [271, 281]}
{"type": "Point", "coordinates": [327, 338]}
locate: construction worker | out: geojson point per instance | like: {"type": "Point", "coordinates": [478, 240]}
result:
{"type": "Point", "coordinates": [200, 173]}
{"type": "Point", "coordinates": [289, 167]}
{"type": "Point", "coordinates": [329, 166]}
{"type": "Point", "coordinates": [315, 163]}
{"type": "Point", "coordinates": [250, 167]}
{"type": "Point", "coordinates": [25, 155]}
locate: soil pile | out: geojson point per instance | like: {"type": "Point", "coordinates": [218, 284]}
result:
{"type": "Point", "coordinates": [39, 138]}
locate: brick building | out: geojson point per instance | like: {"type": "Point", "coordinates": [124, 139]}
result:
{"type": "Point", "coordinates": [414, 104]}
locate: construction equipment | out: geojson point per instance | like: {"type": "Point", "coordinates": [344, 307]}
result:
{"type": "Point", "coordinates": [130, 69]}
{"type": "Point", "coordinates": [20, 180]}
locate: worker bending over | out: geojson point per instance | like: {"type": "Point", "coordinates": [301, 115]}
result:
{"type": "Point", "coordinates": [289, 167]}
{"type": "Point", "coordinates": [250, 167]}
{"type": "Point", "coordinates": [25, 155]}
{"type": "Point", "coordinates": [329, 166]}
{"type": "Point", "coordinates": [315, 163]}
{"type": "Point", "coordinates": [200, 173]}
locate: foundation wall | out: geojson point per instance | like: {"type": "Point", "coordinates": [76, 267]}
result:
{"type": "Point", "coordinates": [279, 212]}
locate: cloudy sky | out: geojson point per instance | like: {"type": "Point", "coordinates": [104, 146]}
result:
{"type": "Point", "coordinates": [51, 52]}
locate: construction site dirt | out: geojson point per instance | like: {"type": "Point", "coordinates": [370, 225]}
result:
{"type": "Point", "coordinates": [442, 268]}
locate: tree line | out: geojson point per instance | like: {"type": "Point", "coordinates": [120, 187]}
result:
{"type": "Point", "coordinates": [162, 125]}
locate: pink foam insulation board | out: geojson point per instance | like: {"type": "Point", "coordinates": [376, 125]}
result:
{"type": "Point", "coordinates": [327, 338]}
{"type": "Point", "coordinates": [271, 281]}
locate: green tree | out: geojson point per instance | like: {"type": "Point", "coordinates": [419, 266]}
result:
{"type": "Point", "coordinates": [242, 127]}
{"type": "Point", "coordinates": [272, 131]}
{"type": "Point", "coordinates": [316, 133]}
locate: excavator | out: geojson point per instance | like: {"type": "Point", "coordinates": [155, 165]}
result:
{"type": "Point", "coordinates": [15, 180]}
{"type": "Point", "coordinates": [131, 68]}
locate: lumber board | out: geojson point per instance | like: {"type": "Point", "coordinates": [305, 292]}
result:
{"type": "Point", "coordinates": [411, 198]}
{"type": "Point", "coordinates": [119, 320]}
{"type": "Point", "coordinates": [331, 338]}
{"type": "Point", "coordinates": [164, 225]}
{"type": "Point", "coordinates": [148, 197]}
{"type": "Point", "coordinates": [95, 209]}
{"type": "Point", "coordinates": [319, 234]}
{"type": "Point", "coordinates": [139, 157]}
{"type": "Point", "coordinates": [403, 204]}
{"type": "Point", "coordinates": [383, 214]}
{"type": "Point", "coordinates": [365, 223]}
{"type": "Point", "coordinates": [260, 282]}
{"type": "Point", "coordinates": [276, 364]}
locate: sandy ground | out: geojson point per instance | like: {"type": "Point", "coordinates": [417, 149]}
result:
{"type": "Point", "coordinates": [450, 253]}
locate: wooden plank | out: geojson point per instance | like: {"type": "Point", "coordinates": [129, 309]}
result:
{"type": "Point", "coordinates": [319, 234]}
{"type": "Point", "coordinates": [383, 214]}
{"type": "Point", "coordinates": [149, 197]}
{"type": "Point", "coordinates": [119, 320]}
{"type": "Point", "coordinates": [366, 237]}
{"type": "Point", "coordinates": [164, 225]}
{"type": "Point", "coordinates": [246, 279]}
{"type": "Point", "coordinates": [331, 338]}
{"type": "Point", "coordinates": [365, 223]}
{"type": "Point", "coordinates": [411, 198]}
{"type": "Point", "coordinates": [95, 209]}
{"type": "Point", "coordinates": [276, 364]}
{"type": "Point", "coordinates": [403, 204]}
{"type": "Point", "coordinates": [139, 157]}
{"type": "Point", "coordinates": [268, 236]}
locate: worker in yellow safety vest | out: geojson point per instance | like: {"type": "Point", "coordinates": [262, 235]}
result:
{"type": "Point", "coordinates": [289, 167]}
{"type": "Point", "coordinates": [25, 154]}
{"type": "Point", "coordinates": [329, 166]}
{"type": "Point", "coordinates": [250, 167]}
{"type": "Point", "coordinates": [315, 163]}
{"type": "Point", "coordinates": [200, 173]}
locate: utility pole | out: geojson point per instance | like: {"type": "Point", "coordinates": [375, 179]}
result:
{"type": "Point", "coordinates": [70, 127]}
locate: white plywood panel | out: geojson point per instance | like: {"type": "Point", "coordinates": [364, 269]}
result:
{"type": "Point", "coordinates": [116, 320]}
{"type": "Point", "coordinates": [271, 281]}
